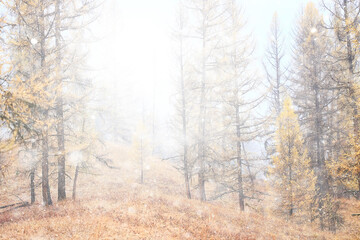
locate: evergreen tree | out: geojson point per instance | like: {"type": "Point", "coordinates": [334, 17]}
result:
{"type": "Point", "coordinates": [293, 178]}
{"type": "Point", "coordinates": [314, 98]}
{"type": "Point", "coordinates": [344, 59]}
{"type": "Point", "coordinates": [239, 102]}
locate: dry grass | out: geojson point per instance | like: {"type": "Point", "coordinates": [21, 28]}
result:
{"type": "Point", "coordinates": [113, 206]}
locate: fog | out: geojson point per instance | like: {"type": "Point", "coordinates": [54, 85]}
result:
{"type": "Point", "coordinates": [132, 56]}
{"type": "Point", "coordinates": [179, 119]}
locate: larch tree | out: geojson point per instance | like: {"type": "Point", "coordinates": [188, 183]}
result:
{"type": "Point", "coordinates": [71, 17]}
{"type": "Point", "coordinates": [183, 96]}
{"type": "Point", "coordinates": [141, 148]}
{"type": "Point", "coordinates": [32, 29]}
{"type": "Point", "coordinates": [314, 98]}
{"type": "Point", "coordinates": [344, 24]}
{"type": "Point", "coordinates": [291, 172]}
{"type": "Point", "coordinates": [345, 167]}
{"type": "Point", "coordinates": [42, 40]}
{"type": "Point", "coordinates": [239, 100]}
{"type": "Point", "coordinates": [60, 130]}
{"type": "Point", "coordinates": [21, 93]}
{"type": "Point", "coordinates": [15, 102]}
{"type": "Point", "coordinates": [275, 76]}
{"type": "Point", "coordinates": [274, 65]}
{"type": "Point", "coordinates": [207, 17]}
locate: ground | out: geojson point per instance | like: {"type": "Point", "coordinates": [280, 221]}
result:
{"type": "Point", "coordinates": [112, 205]}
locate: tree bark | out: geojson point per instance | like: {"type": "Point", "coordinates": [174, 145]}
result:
{"type": "Point", "coordinates": [291, 211]}
{"type": "Point", "coordinates": [75, 182]}
{"type": "Point", "coordinates": [59, 110]}
{"type": "Point", "coordinates": [32, 185]}
{"type": "Point", "coordinates": [239, 160]}
{"type": "Point", "coordinates": [352, 93]}
{"type": "Point", "coordinates": [201, 144]}
{"type": "Point", "coordinates": [183, 113]}
{"type": "Point", "coordinates": [45, 141]}
{"type": "Point", "coordinates": [277, 67]}
{"type": "Point", "coordinates": [45, 171]}
{"type": "Point", "coordinates": [141, 162]}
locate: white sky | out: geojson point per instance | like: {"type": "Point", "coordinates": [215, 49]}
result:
{"type": "Point", "coordinates": [134, 49]}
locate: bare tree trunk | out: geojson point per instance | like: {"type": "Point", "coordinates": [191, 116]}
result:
{"type": "Point", "coordinates": [59, 110]}
{"type": "Point", "coordinates": [154, 107]}
{"type": "Point", "coordinates": [248, 167]}
{"type": "Point", "coordinates": [45, 141]}
{"type": "Point", "coordinates": [187, 183]}
{"type": "Point", "coordinates": [321, 172]}
{"type": "Point", "coordinates": [141, 146]}
{"type": "Point", "coordinates": [45, 171]}
{"type": "Point", "coordinates": [183, 112]}
{"type": "Point", "coordinates": [185, 157]}
{"type": "Point", "coordinates": [238, 133]}
{"type": "Point", "coordinates": [358, 194]}
{"type": "Point", "coordinates": [277, 68]}
{"type": "Point", "coordinates": [75, 182]}
{"type": "Point", "coordinates": [61, 149]}
{"type": "Point", "coordinates": [32, 184]}
{"type": "Point", "coordinates": [141, 162]}
{"type": "Point", "coordinates": [201, 153]}
{"type": "Point", "coordinates": [239, 160]}
{"type": "Point", "coordinates": [291, 210]}
{"type": "Point", "coordinates": [274, 56]}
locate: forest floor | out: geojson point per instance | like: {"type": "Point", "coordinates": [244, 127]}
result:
{"type": "Point", "coordinates": [112, 205]}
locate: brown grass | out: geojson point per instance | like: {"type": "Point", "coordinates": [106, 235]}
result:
{"type": "Point", "coordinates": [113, 206]}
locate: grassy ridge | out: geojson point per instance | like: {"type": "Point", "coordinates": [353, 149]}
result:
{"type": "Point", "coordinates": [112, 205]}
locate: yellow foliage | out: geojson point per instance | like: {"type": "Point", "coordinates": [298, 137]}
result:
{"type": "Point", "coordinates": [346, 170]}
{"type": "Point", "coordinates": [293, 179]}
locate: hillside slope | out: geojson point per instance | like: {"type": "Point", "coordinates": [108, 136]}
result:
{"type": "Point", "coordinates": [111, 205]}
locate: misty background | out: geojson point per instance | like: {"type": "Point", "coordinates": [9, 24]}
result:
{"type": "Point", "coordinates": [132, 61]}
